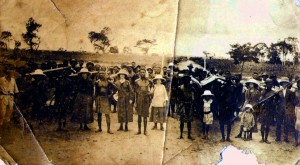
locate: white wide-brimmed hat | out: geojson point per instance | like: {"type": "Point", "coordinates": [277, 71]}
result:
{"type": "Point", "coordinates": [84, 70]}
{"type": "Point", "coordinates": [284, 79]}
{"type": "Point", "coordinates": [38, 72]}
{"type": "Point", "coordinates": [207, 93]}
{"type": "Point", "coordinates": [252, 80]}
{"type": "Point", "coordinates": [123, 71]}
{"type": "Point", "coordinates": [158, 76]}
{"type": "Point", "coordinates": [249, 106]}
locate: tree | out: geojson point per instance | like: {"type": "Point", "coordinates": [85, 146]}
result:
{"type": "Point", "coordinates": [30, 37]}
{"type": "Point", "coordinates": [127, 50]}
{"type": "Point", "coordinates": [6, 36]}
{"type": "Point", "coordinates": [17, 45]}
{"type": "Point", "coordinates": [145, 45]}
{"type": "Point", "coordinates": [294, 42]}
{"type": "Point", "coordinates": [243, 53]}
{"type": "Point", "coordinates": [273, 55]}
{"type": "Point", "coordinates": [114, 49]}
{"type": "Point", "coordinates": [284, 48]}
{"type": "Point", "coordinates": [3, 45]}
{"type": "Point", "coordinates": [100, 40]}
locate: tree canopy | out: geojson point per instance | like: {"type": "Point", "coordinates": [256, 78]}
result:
{"type": "Point", "coordinates": [30, 36]}
{"type": "Point", "coordinates": [100, 40]}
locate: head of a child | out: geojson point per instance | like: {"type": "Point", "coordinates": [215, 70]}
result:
{"type": "Point", "coordinates": [207, 97]}
{"type": "Point", "coordinates": [248, 108]}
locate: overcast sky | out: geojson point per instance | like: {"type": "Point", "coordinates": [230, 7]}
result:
{"type": "Point", "coordinates": [203, 25]}
{"type": "Point", "coordinates": [129, 20]}
{"type": "Point", "coordinates": [212, 25]}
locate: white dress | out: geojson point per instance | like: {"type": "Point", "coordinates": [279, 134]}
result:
{"type": "Point", "coordinates": [297, 112]}
{"type": "Point", "coordinates": [208, 115]}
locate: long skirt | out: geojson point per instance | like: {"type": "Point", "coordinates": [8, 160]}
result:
{"type": "Point", "coordinates": [102, 104]}
{"type": "Point", "coordinates": [83, 112]}
{"type": "Point", "coordinates": [125, 110]}
{"type": "Point", "coordinates": [158, 115]}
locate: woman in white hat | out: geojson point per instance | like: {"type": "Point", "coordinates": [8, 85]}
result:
{"type": "Point", "coordinates": [125, 100]}
{"type": "Point", "coordinates": [252, 96]}
{"type": "Point", "coordinates": [83, 113]}
{"type": "Point", "coordinates": [207, 112]}
{"type": "Point", "coordinates": [159, 102]}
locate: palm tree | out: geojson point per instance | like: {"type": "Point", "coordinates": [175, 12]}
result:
{"type": "Point", "coordinates": [285, 48]}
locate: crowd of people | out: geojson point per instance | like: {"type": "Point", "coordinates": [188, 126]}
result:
{"type": "Point", "coordinates": [76, 92]}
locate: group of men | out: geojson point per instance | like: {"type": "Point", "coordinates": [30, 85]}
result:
{"type": "Point", "coordinates": [273, 100]}
{"type": "Point", "coordinates": [77, 88]}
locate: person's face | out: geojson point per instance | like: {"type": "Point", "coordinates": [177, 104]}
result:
{"type": "Point", "coordinates": [142, 73]}
{"type": "Point", "coordinates": [284, 84]}
{"type": "Point", "coordinates": [122, 76]}
{"type": "Point", "coordinates": [175, 74]}
{"type": "Point", "coordinates": [269, 85]}
{"type": "Point", "coordinates": [158, 81]}
{"type": "Point", "coordinates": [101, 74]}
{"type": "Point", "coordinates": [164, 69]}
{"type": "Point", "coordinates": [206, 97]}
{"type": "Point", "coordinates": [264, 77]}
{"type": "Point", "coordinates": [251, 85]}
{"type": "Point", "coordinates": [150, 71]}
{"type": "Point", "coordinates": [84, 75]}
{"type": "Point", "coordinates": [228, 78]}
{"type": "Point", "coordinates": [80, 63]}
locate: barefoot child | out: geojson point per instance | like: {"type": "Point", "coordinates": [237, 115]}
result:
{"type": "Point", "coordinates": [247, 121]}
{"type": "Point", "coordinates": [207, 112]}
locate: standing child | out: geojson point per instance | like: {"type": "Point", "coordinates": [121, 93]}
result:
{"type": "Point", "coordinates": [247, 121]}
{"type": "Point", "coordinates": [207, 112]}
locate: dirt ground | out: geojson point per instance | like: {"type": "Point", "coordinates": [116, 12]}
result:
{"type": "Point", "coordinates": [126, 148]}
{"type": "Point", "coordinates": [202, 151]}
{"type": "Point", "coordinates": [85, 147]}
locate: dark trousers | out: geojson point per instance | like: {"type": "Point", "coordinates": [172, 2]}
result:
{"type": "Point", "coordinates": [265, 128]}
{"type": "Point", "coordinates": [222, 128]}
{"type": "Point", "coordinates": [279, 121]}
{"type": "Point", "coordinates": [185, 116]}
{"type": "Point", "coordinates": [189, 127]}
{"type": "Point", "coordinates": [172, 107]}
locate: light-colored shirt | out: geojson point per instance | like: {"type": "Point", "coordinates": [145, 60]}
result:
{"type": "Point", "coordinates": [160, 96]}
{"type": "Point", "coordinates": [8, 87]}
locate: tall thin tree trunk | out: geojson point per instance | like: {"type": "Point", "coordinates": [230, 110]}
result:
{"type": "Point", "coordinates": [242, 68]}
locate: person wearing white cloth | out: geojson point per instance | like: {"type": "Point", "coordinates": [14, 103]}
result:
{"type": "Point", "coordinates": [207, 112]}
{"type": "Point", "coordinates": [8, 88]}
{"type": "Point", "coordinates": [159, 102]}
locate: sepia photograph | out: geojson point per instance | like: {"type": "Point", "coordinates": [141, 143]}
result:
{"type": "Point", "coordinates": [149, 82]}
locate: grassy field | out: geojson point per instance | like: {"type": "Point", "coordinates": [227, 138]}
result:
{"type": "Point", "coordinates": [19, 59]}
